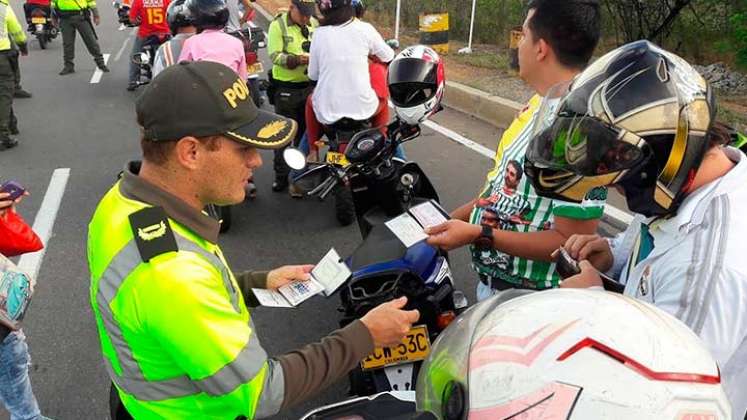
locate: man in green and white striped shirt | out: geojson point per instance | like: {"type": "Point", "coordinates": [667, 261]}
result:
{"type": "Point", "coordinates": [513, 231]}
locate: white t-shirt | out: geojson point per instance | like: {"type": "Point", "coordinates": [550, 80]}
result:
{"type": "Point", "coordinates": [339, 63]}
{"type": "Point", "coordinates": [697, 272]}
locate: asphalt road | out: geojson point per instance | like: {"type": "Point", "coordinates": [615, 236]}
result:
{"type": "Point", "coordinates": [90, 128]}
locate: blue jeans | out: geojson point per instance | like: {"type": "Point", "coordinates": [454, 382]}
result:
{"type": "Point", "coordinates": [15, 386]}
{"type": "Point", "coordinates": [137, 47]}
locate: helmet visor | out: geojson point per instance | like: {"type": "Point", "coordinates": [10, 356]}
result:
{"type": "Point", "coordinates": [567, 138]}
{"type": "Point", "coordinates": [412, 81]}
{"type": "Point", "coordinates": [585, 146]}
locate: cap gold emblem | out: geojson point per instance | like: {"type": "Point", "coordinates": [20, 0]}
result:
{"type": "Point", "coordinates": [272, 129]}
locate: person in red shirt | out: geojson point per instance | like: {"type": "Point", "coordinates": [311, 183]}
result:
{"type": "Point", "coordinates": [151, 16]}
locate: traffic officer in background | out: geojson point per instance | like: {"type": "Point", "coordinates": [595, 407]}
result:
{"type": "Point", "coordinates": [75, 15]}
{"type": "Point", "coordinates": [10, 29]}
{"type": "Point", "coordinates": [288, 46]}
{"type": "Point", "coordinates": [176, 335]}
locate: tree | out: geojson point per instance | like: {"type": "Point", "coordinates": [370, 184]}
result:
{"type": "Point", "coordinates": [644, 19]}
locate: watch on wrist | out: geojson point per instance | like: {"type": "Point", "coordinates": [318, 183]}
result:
{"type": "Point", "coordinates": [485, 240]}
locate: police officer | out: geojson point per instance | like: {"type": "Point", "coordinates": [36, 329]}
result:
{"type": "Point", "coordinates": [175, 331]}
{"type": "Point", "coordinates": [19, 92]}
{"type": "Point", "coordinates": [10, 29]}
{"type": "Point", "coordinates": [75, 15]}
{"type": "Point", "coordinates": [288, 45]}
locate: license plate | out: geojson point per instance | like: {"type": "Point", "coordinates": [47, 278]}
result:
{"type": "Point", "coordinates": [415, 346]}
{"type": "Point", "coordinates": [36, 20]}
{"type": "Point", "coordinates": [255, 68]}
{"type": "Point", "coordinates": [336, 158]}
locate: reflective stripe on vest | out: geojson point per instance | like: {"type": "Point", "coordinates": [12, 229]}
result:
{"type": "Point", "coordinates": [247, 364]}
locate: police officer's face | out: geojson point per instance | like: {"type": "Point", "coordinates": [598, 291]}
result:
{"type": "Point", "coordinates": [298, 17]}
{"type": "Point", "coordinates": [230, 168]}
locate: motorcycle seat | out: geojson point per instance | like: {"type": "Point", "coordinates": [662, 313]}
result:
{"type": "Point", "coordinates": [380, 246]}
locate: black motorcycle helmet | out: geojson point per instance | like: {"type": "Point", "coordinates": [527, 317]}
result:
{"type": "Point", "coordinates": [329, 5]}
{"type": "Point", "coordinates": [639, 117]}
{"type": "Point", "coordinates": [335, 12]}
{"type": "Point", "coordinates": [178, 16]}
{"type": "Point", "coordinates": [208, 14]}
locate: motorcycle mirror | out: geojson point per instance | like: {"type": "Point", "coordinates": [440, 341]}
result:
{"type": "Point", "coordinates": [393, 44]}
{"type": "Point", "coordinates": [294, 158]}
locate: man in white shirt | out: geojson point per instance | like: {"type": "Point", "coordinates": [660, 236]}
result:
{"type": "Point", "coordinates": [668, 156]}
{"type": "Point", "coordinates": [339, 64]}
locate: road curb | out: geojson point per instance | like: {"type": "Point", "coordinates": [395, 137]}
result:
{"type": "Point", "coordinates": [494, 110]}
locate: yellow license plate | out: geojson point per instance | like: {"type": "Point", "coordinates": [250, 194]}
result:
{"type": "Point", "coordinates": [336, 158]}
{"type": "Point", "coordinates": [36, 20]}
{"type": "Point", "coordinates": [255, 68]}
{"type": "Point", "coordinates": [415, 346]}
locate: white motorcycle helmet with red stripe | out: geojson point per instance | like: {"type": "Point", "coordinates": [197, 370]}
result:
{"type": "Point", "coordinates": [570, 354]}
{"type": "Point", "coordinates": [416, 82]}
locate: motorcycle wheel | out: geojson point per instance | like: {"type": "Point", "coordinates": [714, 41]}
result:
{"type": "Point", "coordinates": [42, 37]}
{"type": "Point", "coordinates": [344, 206]}
{"type": "Point", "coordinates": [255, 92]}
{"type": "Point", "coordinates": [222, 214]}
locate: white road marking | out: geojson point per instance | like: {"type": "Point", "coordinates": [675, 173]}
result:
{"type": "Point", "coordinates": [98, 73]}
{"type": "Point", "coordinates": [254, 25]}
{"type": "Point", "coordinates": [45, 218]}
{"type": "Point", "coordinates": [121, 49]}
{"type": "Point", "coordinates": [262, 11]}
{"type": "Point", "coordinates": [464, 141]}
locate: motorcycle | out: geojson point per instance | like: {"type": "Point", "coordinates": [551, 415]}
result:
{"type": "Point", "coordinates": [338, 136]}
{"type": "Point", "coordinates": [253, 39]}
{"type": "Point", "coordinates": [144, 59]}
{"type": "Point", "coordinates": [220, 213]}
{"type": "Point", "coordinates": [383, 187]}
{"type": "Point", "coordinates": [42, 27]}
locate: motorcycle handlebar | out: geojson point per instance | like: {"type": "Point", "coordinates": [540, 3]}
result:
{"type": "Point", "coordinates": [329, 189]}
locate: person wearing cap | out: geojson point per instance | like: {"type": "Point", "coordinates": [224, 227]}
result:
{"type": "Point", "coordinates": [75, 16]}
{"type": "Point", "coordinates": [176, 335]}
{"type": "Point", "coordinates": [10, 31]}
{"type": "Point", "coordinates": [288, 44]}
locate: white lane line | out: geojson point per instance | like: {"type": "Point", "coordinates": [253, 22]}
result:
{"type": "Point", "coordinates": [121, 49]}
{"type": "Point", "coordinates": [254, 25]}
{"type": "Point", "coordinates": [262, 11]}
{"type": "Point", "coordinates": [479, 148]}
{"type": "Point", "coordinates": [98, 73]}
{"type": "Point", "coordinates": [44, 222]}
{"type": "Point", "coordinates": [611, 211]}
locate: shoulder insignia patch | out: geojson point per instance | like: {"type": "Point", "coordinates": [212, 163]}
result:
{"type": "Point", "coordinates": [152, 232]}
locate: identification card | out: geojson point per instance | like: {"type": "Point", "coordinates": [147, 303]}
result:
{"type": "Point", "coordinates": [326, 277]}
{"type": "Point", "coordinates": [331, 272]}
{"type": "Point", "coordinates": [407, 229]}
{"type": "Point", "coordinates": [429, 214]}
